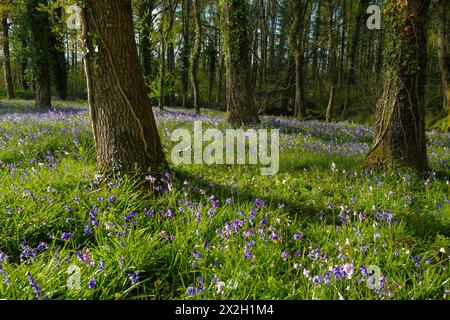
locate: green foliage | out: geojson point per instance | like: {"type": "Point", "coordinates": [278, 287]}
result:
{"type": "Point", "coordinates": [47, 166]}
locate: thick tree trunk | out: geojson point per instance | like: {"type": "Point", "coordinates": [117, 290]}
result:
{"type": "Point", "coordinates": [7, 59]}
{"type": "Point", "coordinates": [124, 127]}
{"type": "Point", "coordinates": [332, 65]}
{"type": "Point", "coordinates": [444, 61]}
{"type": "Point", "coordinates": [195, 59]}
{"type": "Point", "coordinates": [39, 44]}
{"type": "Point", "coordinates": [240, 99]}
{"type": "Point", "coordinates": [400, 114]}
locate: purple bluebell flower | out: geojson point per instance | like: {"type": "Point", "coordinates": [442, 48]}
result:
{"type": "Point", "coordinates": [92, 283]}
{"type": "Point", "coordinates": [134, 277]}
{"type": "Point", "coordinates": [66, 236]}
{"type": "Point", "coordinates": [34, 285]}
{"type": "Point", "coordinates": [197, 255]}
{"type": "Point", "coordinates": [298, 236]}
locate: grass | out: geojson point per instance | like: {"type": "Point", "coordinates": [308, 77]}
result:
{"type": "Point", "coordinates": [217, 232]}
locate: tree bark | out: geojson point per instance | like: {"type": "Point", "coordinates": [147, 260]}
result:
{"type": "Point", "coordinates": [162, 57]}
{"type": "Point", "coordinates": [39, 44]}
{"type": "Point", "coordinates": [332, 57]}
{"type": "Point", "coordinates": [145, 48]}
{"type": "Point", "coordinates": [124, 127]}
{"type": "Point", "coordinates": [444, 61]}
{"type": "Point", "coordinates": [295, 40]}
{"type": "Point", "coordinates": [195, 59]}
{"type": "Point", "coordinates": [7, 59]}
{"type": "Point", "coordinates": [186, 52]}
{"type": "Point", "coordinates": [400, 114]}
{"type": "Point", "coordinates": [58, 65]}
{"type": "Point", "coordinates": [240, 96]}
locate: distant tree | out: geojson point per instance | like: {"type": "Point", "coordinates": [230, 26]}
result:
{"type": "Point", "coordinates": [195, 58]}
{"type": "Point", "coordinates": [332, 59]}
{"type": "Point", "coordinates": [443, 12]}
{"type": "Point", "coordinates": [124, 126]}
{"type": "Point", "coordinates": [6, 53]}
{"type": "Point", "coordinates": [400, 113]}
{"type": "Point", "coordinates": [298, 8]}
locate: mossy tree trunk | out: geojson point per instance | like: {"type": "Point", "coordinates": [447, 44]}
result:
{"type": "Point", "coordinates": [298, 8]}
{"type": "Point", "coordinates": [400, 113]}
{"type": "Point", "coordinates": [124, 126]}
{"type": "Point", "coordinates": [443, 11]}
{"type": "Point", "coordinates": [332, 60]}
{"type": "Point", "coordinates": [186, 51]}
{"type": "Point", "coordinates": [7, 59]}
{"type": "Point", "coordinates": [195, 58]}
{"type": "Point", "coordinates": [39, 44]}
{"type": "Point", "coordinates": [239, 89]}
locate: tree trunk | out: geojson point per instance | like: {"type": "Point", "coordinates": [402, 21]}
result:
{"type": "Point", "coordinates": [240, 99]}
{"type": "Point", "coordinates": [332, 65]}
{"type": "Point", "coordinates": [162, 58]}
{"type": "Point", "coordinates": [7, 59]}
{"type": "Point", "coordinates": [186, 52]}
{"type": "Point", "coordinates": [124, 127]}
{"type": "Point", "coordinates": [400, 114]}
{"type": "Point", "coordinates": [145, 48]}
{"type": "Point", "coordinates": [171, 54]}
{"type": "Point", "coordinates": [196, 53]}
{"type": "Point", "coordinates": [444, 62]}
{"type": "Point", "coordinates": [39, 44]}
{"type": "Point", "coordinates": [295, 40]}
{"type": "Point", "coordinates": [58, 60]}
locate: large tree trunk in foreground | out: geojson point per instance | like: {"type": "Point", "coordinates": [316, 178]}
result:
{"type": "Point", "coordinates": [124, 127]}
{"type": "Point", "coordinates": [240, 100]}
{"type": "Point", "coordinates": [7, 59]}
{"type": "Point", "coordinates": [444, 61]}
{"type": "Point", "coordinates": [400, 114]}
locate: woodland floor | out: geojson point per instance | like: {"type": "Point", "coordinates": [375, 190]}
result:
{"type": "Point", "coordinates": [217, 232]}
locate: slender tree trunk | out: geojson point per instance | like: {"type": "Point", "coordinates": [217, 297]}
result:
{"type": "Point", "coordinates": [400, 114]}
{"type": "Point", "coordinates": [124, 127]}
{"type": "Point", "coordinates": [145, 48]}
{"type": "Point", "coordinates": [295, 40]}
{"type": "Point", "coordinates": [57, 58]}
{"type": "Point", "coordinates": [240, 98]}
{"type": "Point", "coordinates": [264, 53]}
{"type": "Point", "coordinates": [444, 61]}
{"type": "Point", "coordinates": [195, 59]}
{"type": "Point", "coordinates": [186, 52]}
{"type": "Point", "coordinates": [171, 54]}
{"type": "Point", "coordinates": [332, 63]}
{"type": "Point", "coordinates": [7, 59]}
{"type": "Point", "coordinates": [162, 58]}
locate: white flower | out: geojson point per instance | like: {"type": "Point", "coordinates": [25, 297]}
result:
{"type": "Point", "coordinates": [333, 166]}
{"type": "Point", "coordinates": [220, 287]}
{"type": "Point", "coordinates": [442, 250]}
{"type": "Point", "coordinates": [348, 269]}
